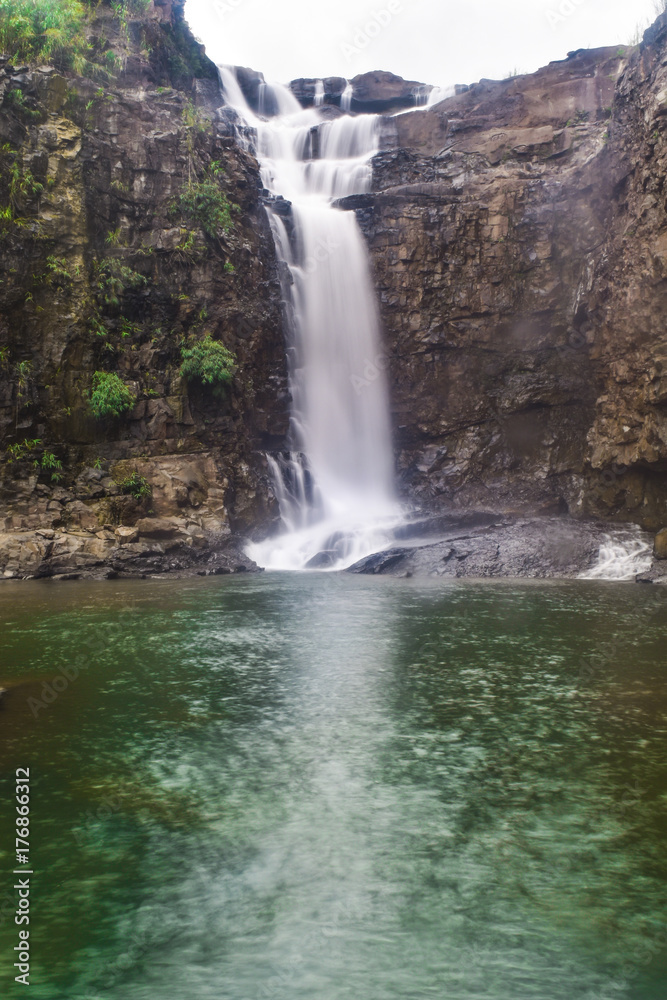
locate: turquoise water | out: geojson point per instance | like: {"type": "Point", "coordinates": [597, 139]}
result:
{"type": "Point", "coordinates": [330, 787]}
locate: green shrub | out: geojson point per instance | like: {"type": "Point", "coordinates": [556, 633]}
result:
{"type": "Point", "coordinates": [50, 31]}
{"type": "Point", "coordinates": [113, 280]}
{"type": "Point", "coordinates": [22, 188]}
{"type": "Point", "coordinates": [18, 451]}
{"type": "Point", "coordinates": [57, 272]}
{"type": "Point", "coordinates": [131, 7]}
{"type": "Point", "coordinates": [110, 396]}
{"type": "Point", "coordinates": [15, 99]}
{"type": "Point", "coordinates": [52, 464]}
{"type": "Point", "coordinates": [206, 204]}
{"type": "Point", "coordinates": [47, 463]}
{"type": "Point", "coordinates": [136, 486]}
{"type": "Point", "coordinates": [209, 362]}
{"type": "Point", "coordinates": [194, 122]}
{"type": "Point", "coordinates": [54, 31]}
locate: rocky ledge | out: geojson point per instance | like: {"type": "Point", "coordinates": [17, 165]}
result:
{"type": "Point", "coordinates": [377, 92]}
{"type": "Point", "coordinates": [485, 546]}
{"type": "Point", "coordinates": [105, 527]}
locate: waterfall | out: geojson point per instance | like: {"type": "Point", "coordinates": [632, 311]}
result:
{"type": "Point", "coordinates": [438, 94]}
{"type": "Point", "coordinates": [335, 488]}
{"type": "Point", "coordinates": [624, 555]}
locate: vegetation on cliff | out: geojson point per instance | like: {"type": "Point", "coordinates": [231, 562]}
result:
{"type": "Point", "coordinates": [57, 31]}
{"type": "Point", "coordinates": [110, 396]}
{"type": "Point", "coordinates": [66, 34]}
{"type": "Point", "coordinates": [209, 362]}
{"type": "Point", "coordinates": [132, 248]}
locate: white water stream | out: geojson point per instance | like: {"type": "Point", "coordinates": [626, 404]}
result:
{"type": "Point", "coordinates": [336, 489]}
{"type": "Point", "coordinates": [624, 555]}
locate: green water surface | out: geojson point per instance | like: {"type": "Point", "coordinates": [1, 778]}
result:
{"type": "Point", "coordinates": [327, 787]}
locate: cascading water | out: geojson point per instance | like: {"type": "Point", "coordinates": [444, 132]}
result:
{"type": "Point", "coordinates": [335, 488]}
{"type": "Point", "coordinates": [624, 554]}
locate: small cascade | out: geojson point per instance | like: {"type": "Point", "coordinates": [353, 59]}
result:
{"type": "Point", "coordinates": [421, 95]}
{"type": "Point", "coordinates": [624, 555]}
{"type": "Point", "coordinates": [425, 97]}
{"type": "Point", "coordinates": [346, 98]}
{"type": "Point", "coordinates": [276, 100]}
{"type": "Point", "coordinates": [231, 89]}
{"type": "Point", "coordinates": [319, 93]}
{"type": "Point", "coordinates": [335, 487]}
{"type": "Point", "coordinates": [438, 94]}
{"type": "Point", "coordinates": [297, 494]}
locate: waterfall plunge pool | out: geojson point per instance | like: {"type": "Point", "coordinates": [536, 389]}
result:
{"type": "Point", "coordinates": [326, 786]}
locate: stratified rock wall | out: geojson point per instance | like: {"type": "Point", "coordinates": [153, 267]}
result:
{"type": "Point", "coordinates": [110, 162]}
{"type": "Point", "coordinates": [517, 235]}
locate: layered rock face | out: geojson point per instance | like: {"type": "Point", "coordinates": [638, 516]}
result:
{"type": "Point", "coordinates": [518, 234]}
{"type": "Point", "coordinates": [103, 271]}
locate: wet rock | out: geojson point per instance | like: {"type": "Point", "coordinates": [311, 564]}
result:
{"type": "Point", "coordinates": [539, 548]}
{"type": "Point", "coordinates": [322, 560]}
{"type": "Point", "coordinates": [250, 81]}
{"type": "Point", "coordinates": [660, 549]}
{"type": "Point", "coordinates": [304, 90]}
{"type": "Point", "coordinates": [380, 92]}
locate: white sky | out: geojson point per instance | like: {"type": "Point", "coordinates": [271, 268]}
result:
{"type": "Point", "coordinates": [432, 41]}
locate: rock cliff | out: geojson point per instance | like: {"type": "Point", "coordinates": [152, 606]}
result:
{"type": "Point", "coordinates": [103, 271]}
{"type": "Point", "coordinates": [518, 235]}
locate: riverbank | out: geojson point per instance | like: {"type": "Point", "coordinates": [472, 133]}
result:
{"type": "Point", "coordinates": [478, 545]}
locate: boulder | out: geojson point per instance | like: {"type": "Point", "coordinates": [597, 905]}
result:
{"type": "Point", "coordinates": [158, 527]}
{"type": "Point", "coordinates": [536, 548]}
{"type": "Point", "coordinates": [660, 548]}
{"type": "Point", "coordinates": [378, 92]}
{"type": "Point", "coordinates": [78, 516]}
{"type": "Point", "coordinates": [125, 535]}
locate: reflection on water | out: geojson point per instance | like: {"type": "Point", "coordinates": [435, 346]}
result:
{"type": "Point", "coordinates": [332, 787]}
